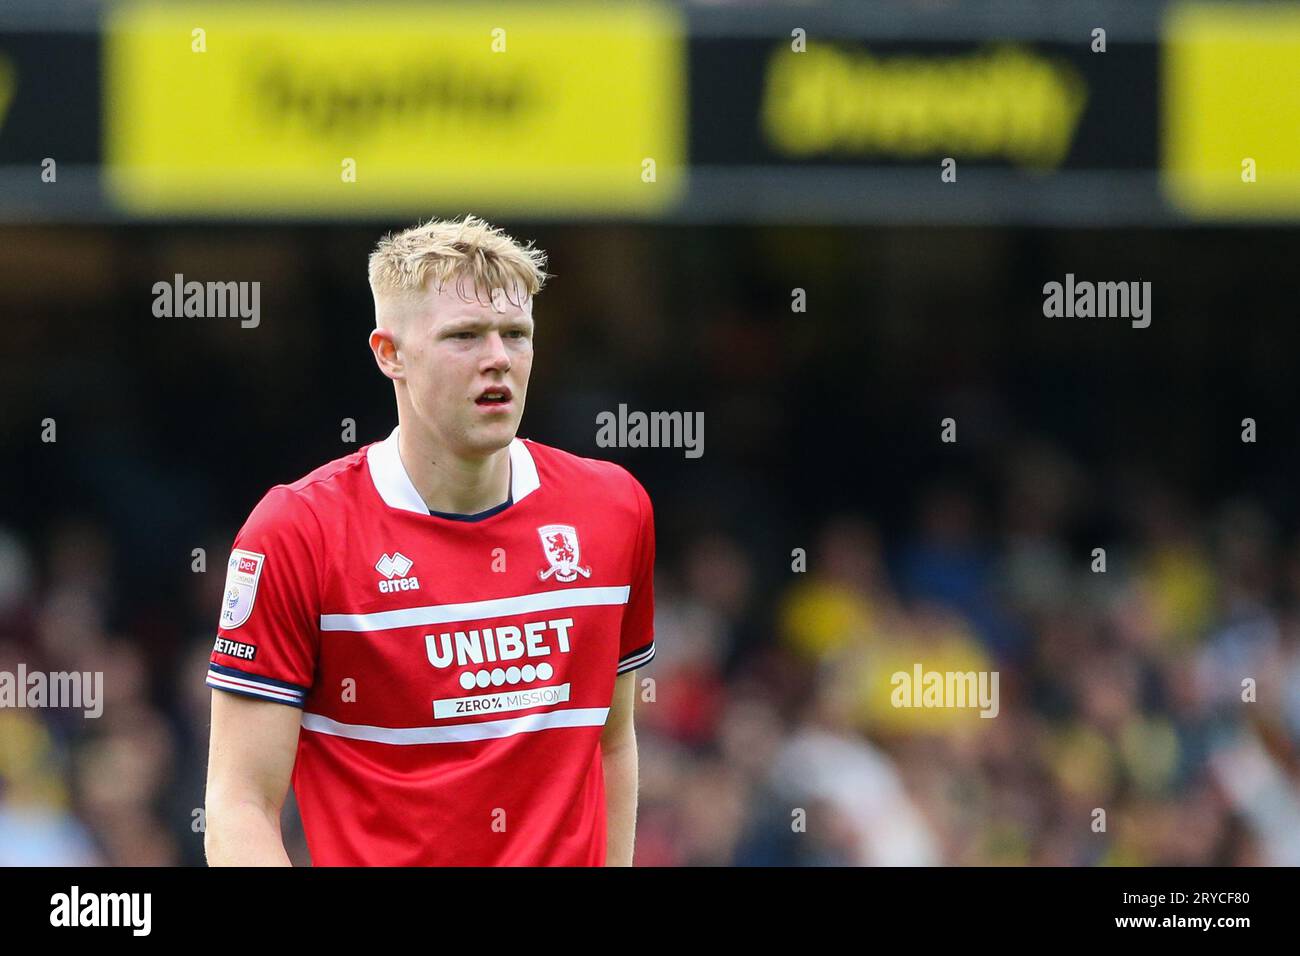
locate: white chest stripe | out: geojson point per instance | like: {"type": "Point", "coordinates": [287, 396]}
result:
{"type": "Point", "coordinates": [476, 610]}
{"type": "Point", "coordinates": [459, 733]}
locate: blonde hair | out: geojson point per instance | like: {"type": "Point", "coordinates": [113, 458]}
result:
{"type": "Point", "coordinates": [403, 263]}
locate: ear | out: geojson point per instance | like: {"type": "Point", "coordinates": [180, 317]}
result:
{"type": "Point", "coordinates": [383, 344]}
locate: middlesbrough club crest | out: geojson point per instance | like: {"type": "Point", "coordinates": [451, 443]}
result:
{"type": "Point", "coordinates": [560, 544]}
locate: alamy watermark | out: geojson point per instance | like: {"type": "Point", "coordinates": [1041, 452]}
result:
{"type": "Point", "coordinates": [60, 689]}
{"type": "Point", "coordinates": [1102, 300]}
{"type": "Point", "coordinates": [133, 911]}
{"type": "Point", "coordinates": [626, 429]}
{"type": "Point", "coordinates": [209, 300]}
{"type": "Point", "coordinates": [961, 689]}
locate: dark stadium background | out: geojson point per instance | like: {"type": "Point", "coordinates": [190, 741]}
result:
{"type": "Point", "coordinates": [821, 432]}
{"type": "Point", "coordinates": [770, 739]}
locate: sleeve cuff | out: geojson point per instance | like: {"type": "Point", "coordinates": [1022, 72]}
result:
{"type": "Point", "coordinates": [236, 681]}
{"type": "Point", "coordinates": [638, 658]}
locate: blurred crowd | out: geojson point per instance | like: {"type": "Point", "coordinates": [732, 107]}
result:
{"type": "Point", "coordinates": [1149, 708]}
{"type": "Point", "coordinates": [1149, 712]}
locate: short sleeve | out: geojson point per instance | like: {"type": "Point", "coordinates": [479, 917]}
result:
{"type": "Point", "coordinates": [268, 632]}
{"type": "Point", "coordinates": [636, 640]}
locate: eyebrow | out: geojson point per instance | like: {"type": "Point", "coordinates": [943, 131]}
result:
{"type": "Point", "coordinates": [466, 323]}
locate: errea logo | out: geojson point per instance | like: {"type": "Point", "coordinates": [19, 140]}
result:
{"type": "Point", "coordinates": [395, 569]}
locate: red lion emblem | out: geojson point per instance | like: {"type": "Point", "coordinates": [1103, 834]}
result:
{"type": "Point", "coordinates": [559, 545]}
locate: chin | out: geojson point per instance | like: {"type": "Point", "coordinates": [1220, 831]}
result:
{"type": "Point", "coordinates": [487, 439]}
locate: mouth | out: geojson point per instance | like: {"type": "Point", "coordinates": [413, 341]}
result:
{"type": "Point", "coordinates": [494, 397]}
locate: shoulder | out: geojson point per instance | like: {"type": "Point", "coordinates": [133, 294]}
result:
{"type": "Point", "coordinates": [305, 502]}
{"type": "Point", "coordinates": [591, 476]}
{"type": "Point", "coordinates": [594, 480]}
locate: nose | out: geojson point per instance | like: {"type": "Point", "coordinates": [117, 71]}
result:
{"type": "Point", "coordinates": [497, 358]}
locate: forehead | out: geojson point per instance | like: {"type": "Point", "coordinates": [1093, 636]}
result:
{"type": "Point", "coordinates": [451, 305]}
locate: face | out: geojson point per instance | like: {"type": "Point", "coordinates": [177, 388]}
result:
{"type": "Point", "coordinates": [465, 364]}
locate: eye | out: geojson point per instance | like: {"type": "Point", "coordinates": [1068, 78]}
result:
{"type": "Point", "coordinates": [462, 335]}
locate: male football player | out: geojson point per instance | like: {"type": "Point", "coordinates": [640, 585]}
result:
{"type": "Point", "coordinates": [433, 638]}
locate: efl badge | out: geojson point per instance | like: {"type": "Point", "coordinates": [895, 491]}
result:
{"type": "Point", "coordinates": [241, 587]}
{"type": "Point", "coordinates": [560, 542]}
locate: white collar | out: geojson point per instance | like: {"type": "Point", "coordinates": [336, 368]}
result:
{"type": "Point", "coordinates": [396, 488]}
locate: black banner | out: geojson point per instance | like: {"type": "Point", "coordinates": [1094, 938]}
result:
{"type": "Point", "coordinates": [980, 907]}
{"type": "Point", "coordinates": [50, 98]}
{"type": "Point", "coordinates": [1041, 106]}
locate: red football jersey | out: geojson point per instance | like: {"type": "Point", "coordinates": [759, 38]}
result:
{"type": "Point", "coordinates": [455, 672]}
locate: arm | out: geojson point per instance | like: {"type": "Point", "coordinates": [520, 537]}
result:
{"type": "Point", "coordinates": [618, 752]}
{"type": "Point", "coordinates": [250, 760]}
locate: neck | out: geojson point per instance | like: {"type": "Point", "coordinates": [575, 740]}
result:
{"type": "Point", "coordinates": [452, 483]}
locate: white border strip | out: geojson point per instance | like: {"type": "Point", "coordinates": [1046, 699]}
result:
{"type": "Point", "coordinates": [639, 660]}
{"type": "Point", "coordinates": [476, 610]}
{"type": "Point", "coordinates": [271, 692]}
{"type": "Point", "coordinates": [459, 733]}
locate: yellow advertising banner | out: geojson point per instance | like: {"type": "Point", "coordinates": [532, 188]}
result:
{"type": "Point", "coordinates": [1231, 136]}
{"type": "Point", "coordinates": [335, 109]}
